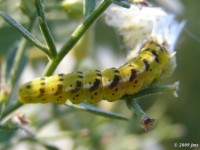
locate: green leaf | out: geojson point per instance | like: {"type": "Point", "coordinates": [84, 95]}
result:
{"type": "Point", "coordinates": [89, 6]}
{"type": "Point", "coordinates": [122, 3]}
{"type": "Point", "coordinates": [44, 28]}
{"type": "Point", "coordinates": [132, 105]}
{"type": "Point", "coordinates": [97, 111]}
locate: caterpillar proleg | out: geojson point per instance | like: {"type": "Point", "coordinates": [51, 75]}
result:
{"type": "Point", "coordinates": [110, 84]}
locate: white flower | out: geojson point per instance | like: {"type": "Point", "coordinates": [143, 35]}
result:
{"type": "Point", "coordinates": [166, 31]}
{"type": "Point", "coordinates": [137, 25]}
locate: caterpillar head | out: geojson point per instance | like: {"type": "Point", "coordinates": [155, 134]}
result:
{"type": "Point", "coordinates": [166, 58]}
{"type": "Point", "coordinates": [170, 56]}
{"type": "Point", "coordinates": [166, 32]}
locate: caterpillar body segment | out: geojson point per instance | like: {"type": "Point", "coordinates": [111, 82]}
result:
{"type": "Point", "coordinates": [92, 85]}
{"type": "Point", "coordinates": [110, 84]}
{"type": "Point", "coordinates": [113, 85]}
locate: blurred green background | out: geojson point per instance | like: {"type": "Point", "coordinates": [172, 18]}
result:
{"type": "Point", "coordinates": [177, 118]}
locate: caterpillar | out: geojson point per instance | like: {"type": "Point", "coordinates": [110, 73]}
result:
{"type": "Point", "coordinates": [111, 84]}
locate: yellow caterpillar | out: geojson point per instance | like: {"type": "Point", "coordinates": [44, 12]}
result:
{"type": "Point", "coordinates": [110, 84]}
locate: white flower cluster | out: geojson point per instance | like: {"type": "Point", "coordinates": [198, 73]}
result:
{"type": "Point", "coordinates": [137, 25]}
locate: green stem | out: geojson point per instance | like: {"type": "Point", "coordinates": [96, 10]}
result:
{"type": "Point", "coordinates": [10, 109]}
{"type": "Point", "coordinates": [147, 122]}
{"type": "Point", "coordinates": [136, 108]}
{"type": "Point", "coordinates": [44, 28]}
{"type": "Point", "coordinates": [17, 62]}
{"type": "Point", "coordinates": [76, 35]}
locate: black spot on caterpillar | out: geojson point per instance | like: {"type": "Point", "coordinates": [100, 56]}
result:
{"type": "Point", "coordinates": [93, 86]}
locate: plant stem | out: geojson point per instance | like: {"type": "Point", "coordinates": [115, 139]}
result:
{"type": "Point", "coordinates": [17, 62]}
{"type": "Point", "coordinates": [147, 122]}
{"type": "Point", "coordinates": [136, 108]}
{"type": "Point", "coordinates": [10, 109]}
{"type": "Point", "coordinates": [45, 29]}
{"type": "Point", "coordinates": [76, 35]}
